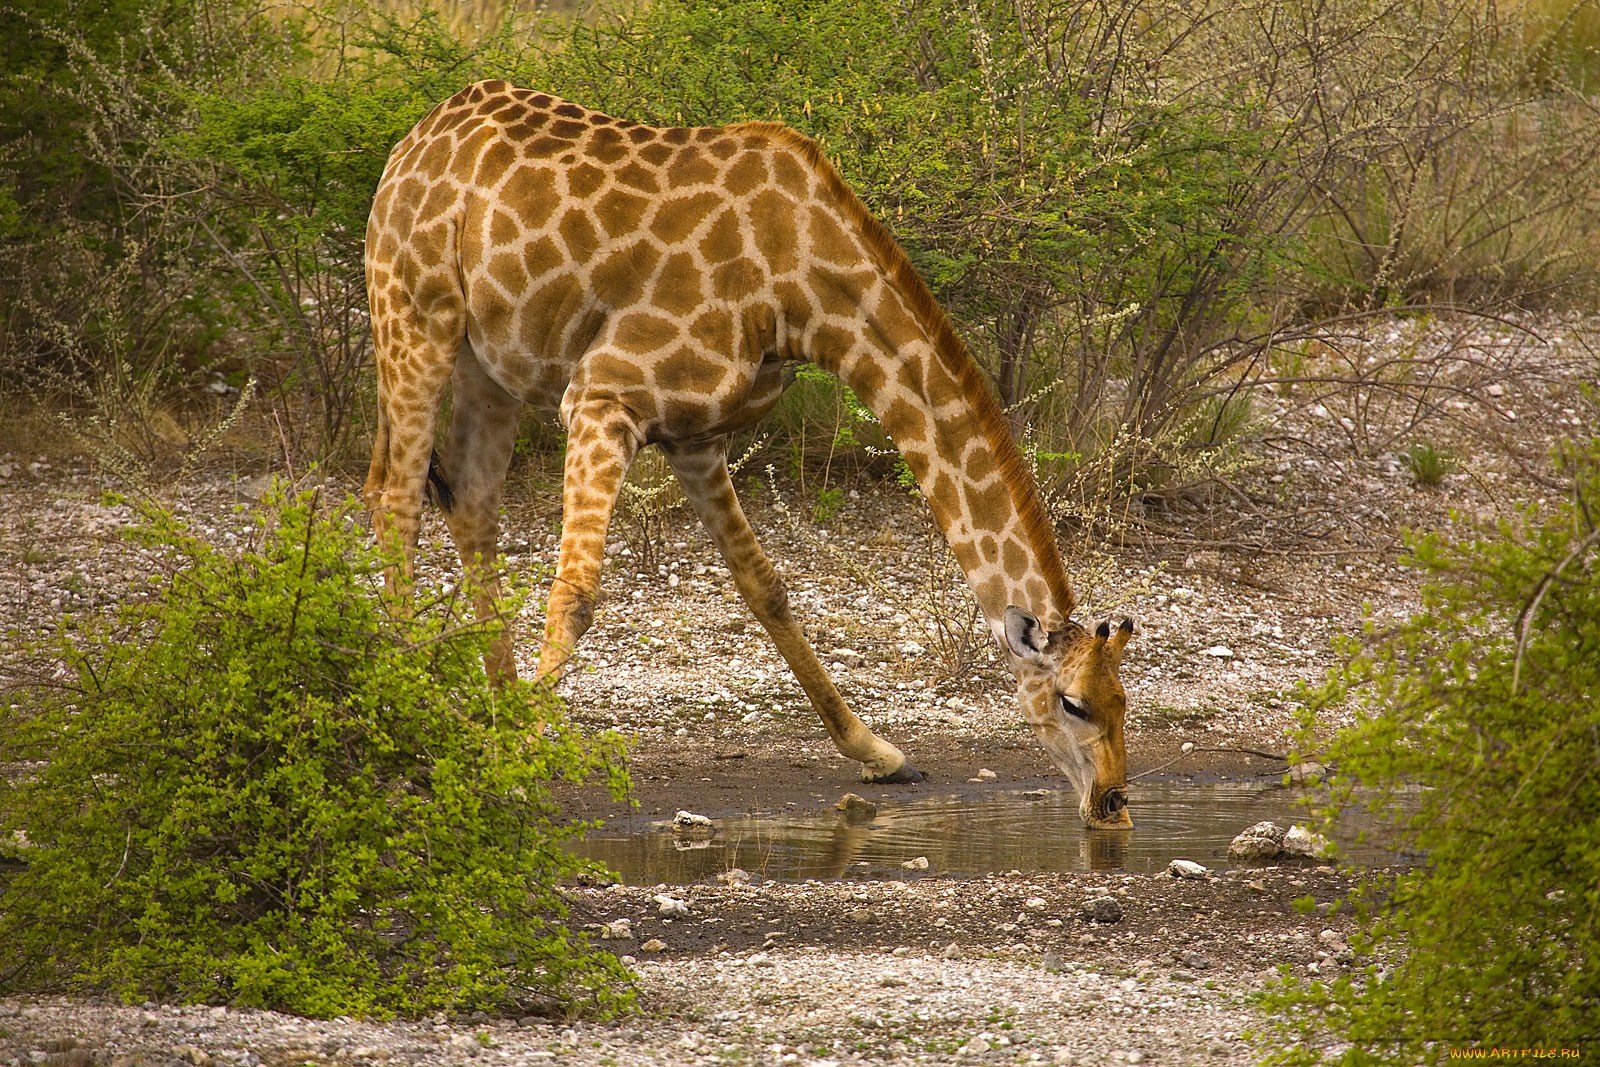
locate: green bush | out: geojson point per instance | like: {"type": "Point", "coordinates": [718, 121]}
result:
{"type": "Point", "coordinates": [254, 786]}
{"type": "Point", "coordinates": [1490, 700]}
{"type": "Point", "coordinates": [294, 160]}
{"type": "Point", "coordinates": [103, 254]}
{"type": "Point", "coordinates": [1057, 206]}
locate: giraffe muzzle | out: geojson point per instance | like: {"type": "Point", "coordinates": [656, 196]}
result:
{"type": "Point", "coordinates": [1111, 813]}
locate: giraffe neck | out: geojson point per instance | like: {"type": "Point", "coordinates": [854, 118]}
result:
{"type": "Point", "coordinates": [908, 366]}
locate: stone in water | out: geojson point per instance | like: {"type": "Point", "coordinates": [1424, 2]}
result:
{"type": "Point", "coordinates": [1261, 843]}
{"type": "Point", "coordinates": [688, 824]}
{"type": "Point", "coordinates": [856, 809]}
{"type": "Point", "coordinates": [1302, 841]}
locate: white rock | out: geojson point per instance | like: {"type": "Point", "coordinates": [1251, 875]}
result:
{"type": "Point", "coordinates": [1034, 902]}
{"type": "Point", "coordinates": [1220, 652]}
{"type": "Point", "coordinates": [1257, 844]}
{"type": "Point", "coordinates": [918, 864]}
{"type": "Point", "coordinates": [617, 930]}
{"type": "Point", "coordinates": [1186, 869]}
{"type": "Point", "coordinates": [1303, 841]}
{"type": "Point", "coordinates": [1186, 748]}
{"type": "Point", "coordinates": [669, 907]}
{"type": "Point", "coordinates": [856, 808]}
{"type": "Point", "coordinates": [655, 944]}
{"type": "Point", "coordinates": [734, 876]}
{"type": "Point", "coordinates": [688, 824]}
{"type": "Point", "coordinates": [984, 772]}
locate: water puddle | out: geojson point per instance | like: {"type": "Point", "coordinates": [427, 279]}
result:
{"type": "Point", "coordinates": [967, 836]}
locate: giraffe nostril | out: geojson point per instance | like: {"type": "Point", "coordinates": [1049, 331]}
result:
{"type": "Point", "coordinates": [1116, 800]}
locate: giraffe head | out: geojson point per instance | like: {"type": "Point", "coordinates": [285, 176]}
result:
{"type": "Point", "coordinates": [1068, 687]}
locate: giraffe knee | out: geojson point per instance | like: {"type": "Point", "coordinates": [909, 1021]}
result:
{"type": "Point", "coordinates": [571, 613]}
{"type": "Point", "coordinates": [772, 601]}
{"type": "Point", "coordinates": [581, 617]}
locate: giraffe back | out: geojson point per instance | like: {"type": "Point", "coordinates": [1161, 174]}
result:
{"type": "Point", "coordinates": [570, 247]}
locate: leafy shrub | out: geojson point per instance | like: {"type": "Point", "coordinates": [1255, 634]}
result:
{"type": "Point", "coordinates": [1124, 206]}
{"type": "Point", "coordinates": [293, 161]}
{"type": "Point", "coordinates": [254, 786]}
{"type": "Point", "coordinates": [1067, 216]}
{"type": "Point", "coordinates": [103, 254]}
{"type": "Point", "coordinates": [1490, 700]}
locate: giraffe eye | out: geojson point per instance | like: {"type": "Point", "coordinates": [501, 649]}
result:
{"type": "Point", "coordinates": [1073, 708]}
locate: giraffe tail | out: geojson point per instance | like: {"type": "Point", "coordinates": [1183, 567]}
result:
{"type": "Point", "coordinates": [439, 490]}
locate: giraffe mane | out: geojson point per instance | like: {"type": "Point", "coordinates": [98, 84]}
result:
{"type": "Point", "coordinates": [952, 351]}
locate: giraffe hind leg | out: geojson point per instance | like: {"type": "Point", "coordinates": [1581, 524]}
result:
{"type": "Point", "coordinates": [466, 482]}
{"type": "Point", "coordinates": [402, 453]}
{"type": "Point", "coordinates": [702, 469]}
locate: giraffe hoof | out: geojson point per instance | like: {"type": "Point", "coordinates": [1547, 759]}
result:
{"type": "Point", "coordinates": [902, 775]}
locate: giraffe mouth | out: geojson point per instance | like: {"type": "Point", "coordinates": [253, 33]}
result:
{"type": "Point", "coordinates": [1110, 812]}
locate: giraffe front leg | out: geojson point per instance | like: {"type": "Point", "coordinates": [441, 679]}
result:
{"type": "Point", "coordinates": [702, 468]}
{"type": "Point", "coordinates": [601, 443]}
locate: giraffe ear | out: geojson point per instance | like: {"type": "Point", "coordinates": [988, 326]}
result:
{"type": "Point", "coordinates": [1120, 636]}
{"type": "Point", "coordinates": [1026, 637]}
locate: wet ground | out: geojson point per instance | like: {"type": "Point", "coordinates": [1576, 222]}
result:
{"type": "Point", "coordinates": [1029, 831]}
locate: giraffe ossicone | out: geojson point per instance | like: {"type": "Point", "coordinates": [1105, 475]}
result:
{"type": "Point", "coordinates": [651, 284]}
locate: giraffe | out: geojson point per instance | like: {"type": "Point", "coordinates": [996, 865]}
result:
{"type": "Point", "coordinates": [651, 285]}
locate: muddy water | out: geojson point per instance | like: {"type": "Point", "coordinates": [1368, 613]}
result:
{"type": "Point", "coordinates": [966, 836]}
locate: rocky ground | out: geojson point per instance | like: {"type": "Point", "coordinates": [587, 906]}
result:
{"type": "Point", "coordinates": [1000, 970]}
{"type": "Point", "coordinates": [1237, 590]}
